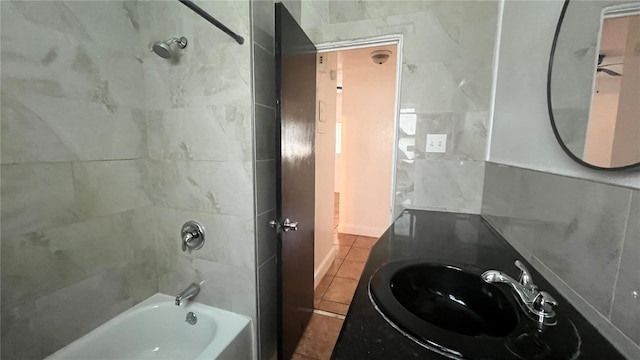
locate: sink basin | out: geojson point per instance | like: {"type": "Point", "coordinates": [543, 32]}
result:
{"type": "Point", "coordinates": [452, 311]}
{"type": "Point", "coordinates": [453, 299]}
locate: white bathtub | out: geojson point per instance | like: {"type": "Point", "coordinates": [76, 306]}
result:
{"type": "Point", "coordinates": [156, 329]}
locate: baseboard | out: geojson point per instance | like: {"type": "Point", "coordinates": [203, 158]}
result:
{"type": "Point", "coordinates": [324, 266]}
{"type": "Point", "coordinates": [360, 230]}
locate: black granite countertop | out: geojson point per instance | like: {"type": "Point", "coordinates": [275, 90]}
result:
{"type": "Point", "coordinates": [441, 237]}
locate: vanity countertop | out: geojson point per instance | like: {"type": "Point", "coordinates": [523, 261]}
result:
{"type": "Point", "coordinates": [441, 237]}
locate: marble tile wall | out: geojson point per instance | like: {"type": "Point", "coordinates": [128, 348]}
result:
{"type": "Point", "coordinates": [200, 167]}
{"type": "Point", "coordinates": [583, 236]}
{"type": "Point", "coordinates": [266, 152]}
{"type": "Point", "coordinates": [75, 244]}
{"type": "Point", "coordinates": [446, 80]}
{"type": "Point", "coordinates": [107, 149]}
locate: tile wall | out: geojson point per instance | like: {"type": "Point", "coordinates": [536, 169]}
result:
{"type": "Point", "coordinates": [583, 236]}
{"type": "Point", "coordinates": [198, 110]}
{"type": "Point", "coordinates": [76, 248]}
{"type": "Point", "coordinates": [265, 130]}
{"type": "Point", "coordinates": [107, 149]}
{"type": "Point", "coordinates": [446, 80]}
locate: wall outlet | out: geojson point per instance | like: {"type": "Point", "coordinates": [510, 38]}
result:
{"type": "Point", "coordinates": [436, 143]}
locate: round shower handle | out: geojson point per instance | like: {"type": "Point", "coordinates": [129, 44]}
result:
{"type": "Point", "coordinates": [192, 235]}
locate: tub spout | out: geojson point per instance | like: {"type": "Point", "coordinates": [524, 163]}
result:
{"type": "Point", "coordinates": [191, 291]}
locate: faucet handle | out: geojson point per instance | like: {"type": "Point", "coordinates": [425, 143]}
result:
{"type": "Point", "coordinates": [545, 303]}
{"type": "Point", "coordinates": [525, 277]}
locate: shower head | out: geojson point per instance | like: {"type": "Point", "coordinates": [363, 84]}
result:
{"type": "Point", "coordinates": [163, 48]}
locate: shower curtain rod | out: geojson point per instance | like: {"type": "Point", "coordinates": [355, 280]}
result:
{"type": "Point", "coordinates": [211, 19]}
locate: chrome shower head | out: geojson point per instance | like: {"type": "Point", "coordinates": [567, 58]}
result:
{"type": "Point", "coordinates": [163, 48]}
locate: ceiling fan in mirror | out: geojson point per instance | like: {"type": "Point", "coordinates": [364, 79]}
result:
{"type": "Point", "coordinates": [603, 67]}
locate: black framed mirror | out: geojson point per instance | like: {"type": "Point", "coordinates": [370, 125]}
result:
{"type": "Point", "coordinates": [593, 83]}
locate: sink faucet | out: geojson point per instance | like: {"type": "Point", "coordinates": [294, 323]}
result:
{"type": "Point", "coordinates": [191, 291]}
{"type": "Point", "coordinates": [538, 305]}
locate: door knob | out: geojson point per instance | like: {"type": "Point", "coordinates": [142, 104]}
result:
{"type": "Point", "coordinates": [289, 225]}
{"type": "Point", "coordinates": [286, 225]}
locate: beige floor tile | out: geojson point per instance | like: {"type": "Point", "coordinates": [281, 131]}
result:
{"type": "Point", "coordinates": [358, 254]}
{"type": "Point", "coordinates": [320, 337]}
{"type": "Point", "coordinates": [321, 289]}
{"type": "Point", "coordinates": [350, 269]}
{"type": "Point", "coordinates": [297, 356]}
{"type": "Point", "coordinates": [333, 307]}
{"type": "Point", "coordinates": [341, 251]}
{"type": "Point", "coordinates": [341, 290]}
{"type": "Point", "coordinates": [365, 242]}
{"type": "Point", "coordinates": [333, 269]}
{"type": "Point", "coordinates": [344, 239]}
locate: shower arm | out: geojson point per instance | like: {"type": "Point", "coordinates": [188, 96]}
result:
{"type": "Point", "coordinates": [211, 19]}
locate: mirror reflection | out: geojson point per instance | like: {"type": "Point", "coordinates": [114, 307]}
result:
{"type": "Point", "coordinates": [595, 83]}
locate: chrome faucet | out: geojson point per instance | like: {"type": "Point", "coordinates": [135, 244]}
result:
{"type": "Point", "coordinates": [191, 291]}
{"type": "Point", "coordinates": [538, 305]}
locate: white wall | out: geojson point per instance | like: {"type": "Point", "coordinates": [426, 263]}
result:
{"type": "Point", "coordinates": [368, 104]}
{"type": "Point", "coordinates": [326, 81]}
{"type": "Point", "coordinates": [521, 133]}
{"type": "Point", "coordinates": [626, 145]}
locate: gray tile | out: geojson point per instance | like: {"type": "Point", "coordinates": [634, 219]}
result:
{"type": "Point", "coordinates": [222, 133]}
{"type": "Point", "coordinates": [267, 290]}
{"type": "Point", "coordinates": [36, 196]}
{"type": "Point", "coordinates": [265, 136]}
{"type": "Point", "coordinates": [26, 137]}
{"type": "Point", "coordinates": [574, 227]}
{"type": "Point", "coordinates": [108, 187]}
{"type": "Point", "coordinates": [200, 186]}
{"type": "Point", "coordinates": [264, 23]}
{"type": "Point", "coordinates": [265, 70]}
{"type": "Point", "coordinates": [264, 39]}
{"type": "Point", "coordinates": [267, 238]}
{"type": "Point", "coordinates": [18, 329]}
{"type": "Point", "coordinates": [461, 192]}
{"type": "Point", "coordinates": [470, 136]}
{"type": "Point", "coordinates": [71, 312]}
{"type": "Point", "coordinates": [265, 185]}
{"type": "Point", "coordinates": [229, 239]}
{"type": "Point", "coordinates": [625, 314]}
{"type": "Point", "coordinates": [628, 348]}
{"type": "Point", "coordinates": [435, 123]}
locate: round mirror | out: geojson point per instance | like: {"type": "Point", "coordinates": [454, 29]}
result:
{"type": "Point", "coordinates": [593, 84]}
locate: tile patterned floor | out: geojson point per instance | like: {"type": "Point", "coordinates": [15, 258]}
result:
{"type": "Point", "coordinates": [333, 295]}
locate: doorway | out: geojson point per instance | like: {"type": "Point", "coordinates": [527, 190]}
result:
{"type": "Point", "coordinates": [356, 122]}
{"type": "Point", "coordinates": [357, 114]}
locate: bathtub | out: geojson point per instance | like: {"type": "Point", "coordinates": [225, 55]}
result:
{"type": "Point", "coordinates": [156, 329]}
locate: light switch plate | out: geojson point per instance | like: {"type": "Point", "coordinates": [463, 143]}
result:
{"type": "Point", "coordinates": [436, 143]}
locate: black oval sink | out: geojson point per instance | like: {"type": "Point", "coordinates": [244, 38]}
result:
{"type": "Point", "coordinates": [453, 299]}
{"type": "Point", "coordinates": [452, 311]}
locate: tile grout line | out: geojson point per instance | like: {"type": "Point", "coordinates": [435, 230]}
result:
{"type": "Point", "coordinates": [328, 313]}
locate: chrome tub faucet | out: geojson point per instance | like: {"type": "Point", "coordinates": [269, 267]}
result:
{"type": "Point", "coordinates": [191, 291]}
{"type": "Point", "coordinates": [539, 305]}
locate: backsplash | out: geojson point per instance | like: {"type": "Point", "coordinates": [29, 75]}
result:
{"type": "Point", "coordinates": [583, 236]}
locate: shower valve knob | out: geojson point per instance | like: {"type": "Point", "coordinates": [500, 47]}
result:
{"type": "Point", "coordinates": [192, 236]}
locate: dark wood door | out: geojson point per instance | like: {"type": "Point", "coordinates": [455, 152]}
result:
{"type": "Point", "coordinates": [295, 109]}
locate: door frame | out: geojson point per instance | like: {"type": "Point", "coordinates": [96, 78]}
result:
{"type": "Point", "coordinates": [392, 39]}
